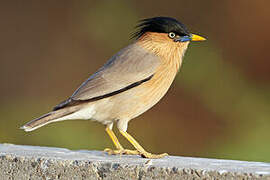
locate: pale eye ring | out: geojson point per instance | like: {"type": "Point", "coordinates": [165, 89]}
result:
{"type": "Point", "coordinates": [172, 35]}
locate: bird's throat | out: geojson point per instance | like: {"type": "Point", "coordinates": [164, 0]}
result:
{"type": "Point", "coordinates": [171, 53]}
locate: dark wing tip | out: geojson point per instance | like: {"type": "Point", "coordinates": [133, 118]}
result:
{"type": "Point", "coordinates": [63, 104]}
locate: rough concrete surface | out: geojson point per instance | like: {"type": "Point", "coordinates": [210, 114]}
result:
{"type": "Point", "coordinates": [34, 162]}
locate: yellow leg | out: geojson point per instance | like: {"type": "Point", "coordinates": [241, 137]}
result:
{"type": "Point", "coordinates": [114, 138]}
{"type": "Point", "coordinates": [137, 146]}
{"type": "Point", "coordinates": [119, 147]}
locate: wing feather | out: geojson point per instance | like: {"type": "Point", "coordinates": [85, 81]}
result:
{"type": "Point", "coordinates": [131, 65]}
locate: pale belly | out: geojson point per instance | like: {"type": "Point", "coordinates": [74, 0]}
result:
{"type": "Point", "coordinates": [133, 102]}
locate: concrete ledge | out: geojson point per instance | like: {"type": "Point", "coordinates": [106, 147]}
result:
{"type": "Point", "coordinates": [33, 162]}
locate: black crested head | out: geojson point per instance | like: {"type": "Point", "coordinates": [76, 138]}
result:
{"type": "Point", "coordinates": [160, 25]}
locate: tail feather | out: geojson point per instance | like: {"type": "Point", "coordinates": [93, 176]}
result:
{"type": "Point", "coordinates": [48, 118]}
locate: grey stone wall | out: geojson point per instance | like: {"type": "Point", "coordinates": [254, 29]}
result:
{"type": "Point", "coordinates": [33, 162]}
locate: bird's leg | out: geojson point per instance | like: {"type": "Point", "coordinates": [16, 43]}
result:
{"type": "Point", "coordinates": [119, 147]}
{"type": "Point", "coordinates": [139, 148]}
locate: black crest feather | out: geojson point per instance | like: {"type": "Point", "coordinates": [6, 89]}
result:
{"type": "Point", "coordinates": [160, 25]}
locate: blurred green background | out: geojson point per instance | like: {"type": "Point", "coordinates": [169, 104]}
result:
{"type": "Point", "coordinates": [218, 106]}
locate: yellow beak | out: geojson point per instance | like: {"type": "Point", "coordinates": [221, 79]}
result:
{"type": "Point", "coordinates": [197, 38]}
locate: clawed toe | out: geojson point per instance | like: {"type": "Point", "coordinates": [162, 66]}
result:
{"type": "Point", "coordinates": [122, 151]}
{"type": "Point", "coordinates": [153, 156]}
{"type": "Point", "coordinates": [134, 152]}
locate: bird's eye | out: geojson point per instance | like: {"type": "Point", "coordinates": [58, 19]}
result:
{"type": "Point", "coordinates": [172, 35]}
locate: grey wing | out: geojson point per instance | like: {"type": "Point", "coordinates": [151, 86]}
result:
{"type": "Point", "coordinates": [129, 67]}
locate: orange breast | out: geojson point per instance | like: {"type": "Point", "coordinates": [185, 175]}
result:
{"type": "Point", "coordinates": [141, 98]}
{"type": "Point", "coordinates": [154, 89]}
{"type": "Point", "coordinates": [132, 103]}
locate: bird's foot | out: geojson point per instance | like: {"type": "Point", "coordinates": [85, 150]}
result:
{"type": "Point", "coordinates": [122, 151]}
{"type": "Point", "coordinates": [153, 156]}
{"type": "Point", "coordinates": [134, 152]}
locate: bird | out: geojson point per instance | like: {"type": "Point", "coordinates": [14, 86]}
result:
{"type": "Point", "coordinates": [129, 83]}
